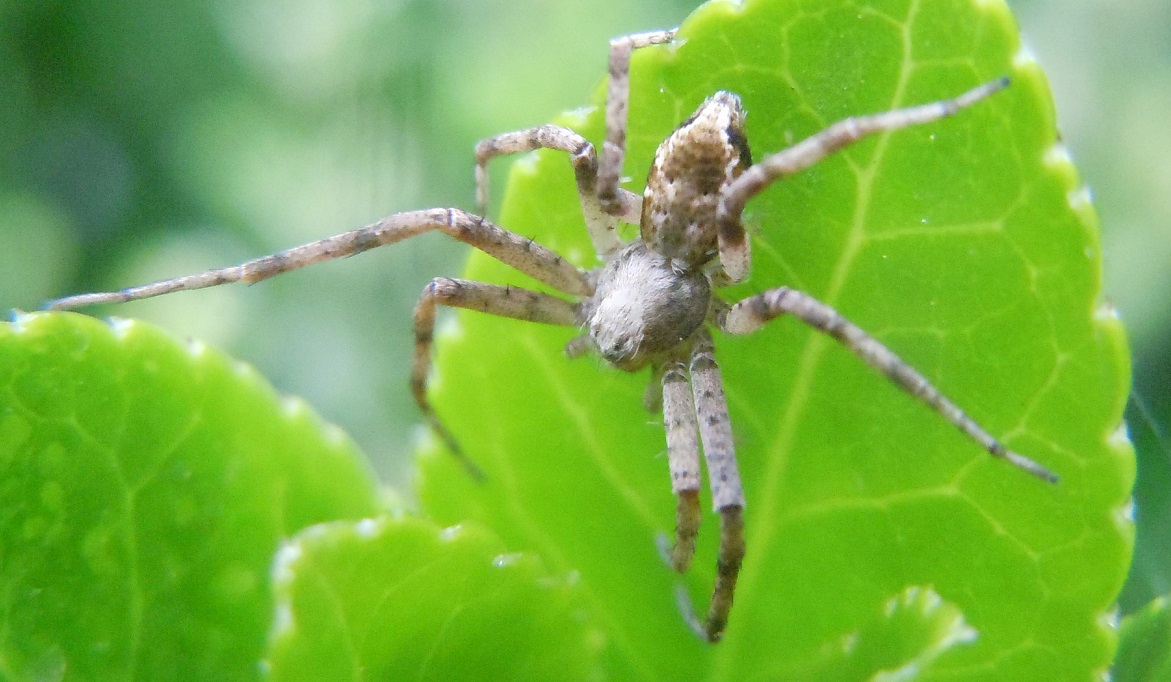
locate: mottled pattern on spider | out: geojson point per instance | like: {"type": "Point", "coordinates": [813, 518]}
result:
{"type": "Point", "coordinates": [652, 303]}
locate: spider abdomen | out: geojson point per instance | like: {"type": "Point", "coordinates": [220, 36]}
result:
{"type": "Point", "coordinates": [644, 307]}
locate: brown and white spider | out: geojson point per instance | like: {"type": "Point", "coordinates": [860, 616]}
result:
{"type": "Point", "coordinates": [652, 303]}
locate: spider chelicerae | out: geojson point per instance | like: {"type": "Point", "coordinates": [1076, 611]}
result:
{"type": "Point", "coordinates": [652, 303]}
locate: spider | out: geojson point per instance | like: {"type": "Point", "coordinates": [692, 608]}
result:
{"type": "Point", "coordinates": [652, 303]}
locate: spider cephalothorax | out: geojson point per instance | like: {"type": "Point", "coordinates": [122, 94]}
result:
{"type": "Point", "coordinates": [652, 304]}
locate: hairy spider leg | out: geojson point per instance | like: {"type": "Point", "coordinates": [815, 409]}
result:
{"type": "Point", "coordinates": [502, 301]}
{"type": "Point", "coordinates": [752, 313]}
{"type": "Point", "coordinates": [602, 227]}
{"type": "Point", "coordinates": [617, 108]}
{"type": "Point", "coordinates": [602, 199]}
{"type": "Point", "coordinates": [715, 432]}
{"type": "Point", "coordinates": [733, 244]}
{"type": "Point", "coordinates": [512, 249]}
{"type": "Point", "coordinates": [682, 426]}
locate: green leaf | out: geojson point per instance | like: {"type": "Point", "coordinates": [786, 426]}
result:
{"type": "Point", "coordinates": [966, 245]}
{"type": "Point", "coordinates": [899, 643]}
{"type": "Point", "coordinates": [1144, 649]}
{"type": "Point", "coordinates": [1150, 572]}
{"type": "Point", "coordinates": [404, 599]}
{"type": "Point", "coordinates": [144, 486]}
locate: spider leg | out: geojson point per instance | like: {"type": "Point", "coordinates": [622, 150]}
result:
{"type": "Point", "coordinates": [683, 458]}
{"type": "Point", "coordinates": [751, 313]}
{"type": "Point", "coordinates": [504, 301]}
{"type": "Point", "coordinates": [521, 253]}
{"type": "Point", "coordinates": [715, 432]}
{"type": "Point", "coordinates": [617, 107]}
{"type": "Point", "coordinates": [601, 225]}
{"type": "Point", "coordinates": [733, 243]}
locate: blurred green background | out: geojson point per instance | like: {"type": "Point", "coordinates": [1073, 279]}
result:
{"type": "Point", "coordinates": [142, 140]}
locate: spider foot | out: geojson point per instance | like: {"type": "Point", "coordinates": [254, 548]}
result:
{"type": "Point", "coordinates": [1022, 462]}
{"type": "Point", "coordinates": [710, 629]}
{"type": "Point", "coordinates": [678, 554]}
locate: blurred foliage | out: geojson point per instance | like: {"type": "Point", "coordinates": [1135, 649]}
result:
{"type": "Point", "coordinates": [1150, 572]}
{"type": "Point", "coordinates": [140, 140]}
{"type": "Point", "coordinates": [1144, 647]}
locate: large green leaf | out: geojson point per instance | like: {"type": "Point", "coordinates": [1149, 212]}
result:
{"type": "Point", "coordinates": [1144, 649]}
{"type": "Point", "coordinates": [404, 599]}
{"type": "Point", "coordinates": [144, 486]}
{"type": "Point", "coordinates": [899, 642]}
{"type": "Point", "coordinates": [966, 245]}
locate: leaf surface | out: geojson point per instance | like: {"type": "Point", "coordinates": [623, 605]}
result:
{"type": "Point", "coordinates": [899, 642]}
{"type": "Point", "coordinates": [404, 599]}
{"type": "Point", "coordinates": [965, 245]}
{"type": "Point", "coordinates": [144, 486]}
